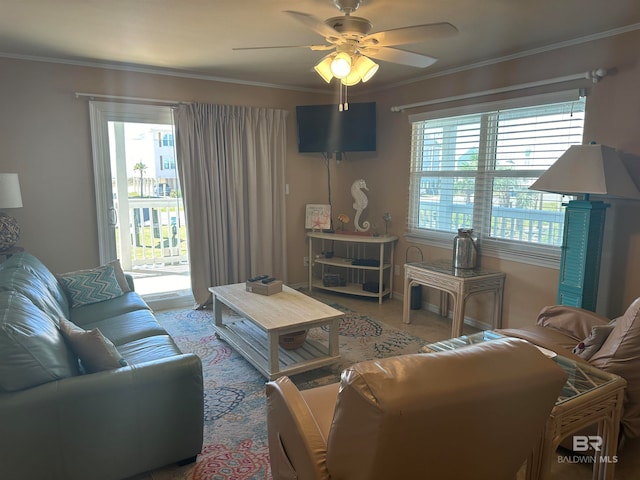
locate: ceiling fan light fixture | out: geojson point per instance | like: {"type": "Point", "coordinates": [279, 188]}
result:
{"type": "Point", "coordinates": [323, 68]}
{"type": "Point", "coordinates": [341, 65]}
{"type": "Point", "coordinates": [351, 79]}
{"type": "Point", "coordinates": [365, 67]}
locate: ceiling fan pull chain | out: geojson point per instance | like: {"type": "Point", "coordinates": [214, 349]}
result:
{"type": "Point", "coordinates": [346, 101]}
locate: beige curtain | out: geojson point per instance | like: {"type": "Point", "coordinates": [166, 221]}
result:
{"type": "Point", "coordinates": [231, 164]}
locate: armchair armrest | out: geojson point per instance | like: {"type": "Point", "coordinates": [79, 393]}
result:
{"type": "Point", "coordinates": [297, 447]}
{"type": "Point", "coordinates": [129, 278]}
{"type": "Point", "coordinates": [573, 321]}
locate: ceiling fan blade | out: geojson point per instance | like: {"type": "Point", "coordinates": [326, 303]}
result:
{"type": "Point", "coordinates": [312, 47]}
{"type": "Point", "coordinates": [415, 34]}
{"type": "Point", "coordinates": [317, 25]}
{"type": "Point", "coordinates": [403, 57]}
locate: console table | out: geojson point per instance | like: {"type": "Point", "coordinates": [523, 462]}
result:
{"type": "Point", "coordinates": [460, 283]}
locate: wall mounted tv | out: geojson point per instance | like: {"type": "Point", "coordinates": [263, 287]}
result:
{"type": "Point", "coordinates": [324, 128]}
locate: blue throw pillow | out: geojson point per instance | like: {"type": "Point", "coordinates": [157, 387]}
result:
{"type": "Point", "coordinates": [91, 286]}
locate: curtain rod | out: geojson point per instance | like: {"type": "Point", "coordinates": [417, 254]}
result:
{"type": "Point", "coordinates": [156, 101]}
{"type": "Point", "coordinates": [593, 75]}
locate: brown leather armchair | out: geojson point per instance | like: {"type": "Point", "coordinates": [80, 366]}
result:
{"type": "Point", "coordinates": [610, 345]}
{"type": "Point", "coordinates": [473, 413]}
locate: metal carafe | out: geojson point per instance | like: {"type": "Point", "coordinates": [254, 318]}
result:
{"type": "Point", "coordinates": [465, 250]}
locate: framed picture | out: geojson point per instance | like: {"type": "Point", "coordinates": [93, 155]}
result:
{"type": "Point", "coordinates": [318, 217]}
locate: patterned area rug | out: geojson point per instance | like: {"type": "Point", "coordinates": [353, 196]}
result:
{"type": "Point", "coordinates": [235, 435]}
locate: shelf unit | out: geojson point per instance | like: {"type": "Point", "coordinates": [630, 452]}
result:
{"type": "Point", "coordinates": [353, 247]}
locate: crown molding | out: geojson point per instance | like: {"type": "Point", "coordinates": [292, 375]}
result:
{"type": "Point", "coordinates": [155, 71]}
{"type": "Point", "coordinates": [526, 53]}
{"type": "Point", "coordinates": [182, 74]}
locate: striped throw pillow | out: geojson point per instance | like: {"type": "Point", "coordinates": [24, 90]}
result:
{"type": "Point", "coordinates": [91, 286]}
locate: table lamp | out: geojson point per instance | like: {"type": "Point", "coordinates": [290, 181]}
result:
{"type": "Point", "coordinates": [585, 170]}
{"type": "Point", "coordinates": [9, 198]}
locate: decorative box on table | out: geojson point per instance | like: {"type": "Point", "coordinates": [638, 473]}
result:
{"type": "Point", "coordinates": [264, 288]}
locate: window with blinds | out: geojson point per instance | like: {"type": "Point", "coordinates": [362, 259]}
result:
{"type": "Point", "coordinates": [474, 170]}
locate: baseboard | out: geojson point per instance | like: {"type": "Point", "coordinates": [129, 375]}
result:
{"type": "Point", "coordinates": [299, 286]}
{"type": "Point", "coordinates": [473, 322]}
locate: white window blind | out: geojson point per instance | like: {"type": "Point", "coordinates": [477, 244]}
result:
{"type": "Point", "coordinates": [474, 170]}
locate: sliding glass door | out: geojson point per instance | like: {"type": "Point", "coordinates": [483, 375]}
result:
{"type": "Point", "coordinates": [139, 201]}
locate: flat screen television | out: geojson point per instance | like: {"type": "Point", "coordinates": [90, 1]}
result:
{"type": "Point", "coordinates": [324, 128]}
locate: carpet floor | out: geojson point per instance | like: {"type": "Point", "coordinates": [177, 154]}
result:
{"type": "Point", "coordinates": [235, 436]}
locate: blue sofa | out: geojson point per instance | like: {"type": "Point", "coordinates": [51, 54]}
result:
{"type": "Point", "coordinates": [60, 422]}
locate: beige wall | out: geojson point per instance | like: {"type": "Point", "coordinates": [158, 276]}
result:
{"type": "Point", "coordinates": [613, 118]}
{"type": "Point", "coordinates": [45, 137]}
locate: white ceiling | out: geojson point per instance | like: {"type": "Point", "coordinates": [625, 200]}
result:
{"type": "Point", "coordinates": [197, 37]}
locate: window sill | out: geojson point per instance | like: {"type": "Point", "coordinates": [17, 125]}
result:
{"type": "Point", "coordinates": [531, 254]}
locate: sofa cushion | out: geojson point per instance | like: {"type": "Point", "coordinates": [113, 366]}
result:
{"type": "Point", "coordinates": [95, 312]}
{"type": "Point", "coordinates": [32, 350]}
{"type": "Point", "coordinates": [31, 286]}
{"type": "Point", "coordinates": [590, 345]}
{"type": "Point", "coordinates": [127, 327]}
{"type": "Point", "coordinates": [91, 286]}
{"type": "Point", "coordinates": [573, 321]}
{"type": "Point", "coordinates": [95, 351]}
{"type": "Point", "coordinates": [620, 354]}
{"type": "Point", "coordinates": [149, 349]}
{"type": "Point", "coordinates": [28, 262]}
{"type": "Point", "coordinates": [120, 276]}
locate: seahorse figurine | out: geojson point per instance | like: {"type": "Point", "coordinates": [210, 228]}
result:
{"type": "Point", "coordinates": [360, 203]}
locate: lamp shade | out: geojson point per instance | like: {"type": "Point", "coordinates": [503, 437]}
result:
{"type": "Point", "coordinates": [366, 67]}
{"type": "Point", "coordinates": [588, 169]}
{"type": "Point", "coordinates": [323, 68]}
{"type": "Point", "coordinates": [352, 78]}
{"type": "Point", "coordinates": [10, 191]}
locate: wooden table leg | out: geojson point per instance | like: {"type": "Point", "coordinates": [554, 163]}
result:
{"type": "Point", "coordinates": [444, 303]}
{"type": "Point", "coordinates": [273, 363]}
{"type": "Point", "coordinates": [217, 304]}
{"type": "Point", "coordinates": [334, 345]}
{"type": "Point", "coordinates": [497, 308]}
{"type": "Point", "coordinates": [608, 430]}
{"type": "Point", "coordinates": [406, 312]}
{"type": "Point", "coordinates": [458, 315]}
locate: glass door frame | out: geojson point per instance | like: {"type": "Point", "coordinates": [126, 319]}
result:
{"type": "Point", "coordinates": [100, 114]}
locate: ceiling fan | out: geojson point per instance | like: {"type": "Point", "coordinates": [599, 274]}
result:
{"type": "Point", "coordinates": [354, 45]}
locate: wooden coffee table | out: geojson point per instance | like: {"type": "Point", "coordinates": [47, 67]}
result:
{"type": "Point", "coordinates": [264, 318]}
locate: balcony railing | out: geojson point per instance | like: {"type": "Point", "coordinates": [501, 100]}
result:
{"type": "Point", "coordinates": [535, 226]}
{"type": "Point", "coordinates": [156, 233]}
